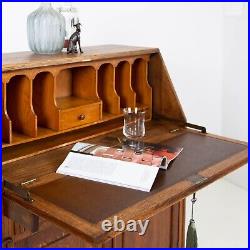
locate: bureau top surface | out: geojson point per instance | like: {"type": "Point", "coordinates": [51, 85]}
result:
{"type": "Point", "coordinates": [27, 60]}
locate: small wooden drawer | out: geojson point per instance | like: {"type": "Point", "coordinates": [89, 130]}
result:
{"type": "Point", "coordinates": [79, 116]}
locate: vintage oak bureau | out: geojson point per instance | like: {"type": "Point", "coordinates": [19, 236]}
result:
{"type": "Point", "coordinates": [51, 102]}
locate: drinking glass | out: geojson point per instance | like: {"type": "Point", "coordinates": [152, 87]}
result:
{"type": "Point", "coordinates": [134, 127]}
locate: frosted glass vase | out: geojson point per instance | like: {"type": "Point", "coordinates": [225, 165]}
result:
{"type": "Point", "coordinates": [46, 30]}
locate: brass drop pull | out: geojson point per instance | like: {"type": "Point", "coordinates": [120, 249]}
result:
{"type": "Point", "coordinates": [81, 117]}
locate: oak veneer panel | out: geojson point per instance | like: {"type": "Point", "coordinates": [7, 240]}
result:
{"type": "Point", "coordinates": [6, 128]}
{"type": "Point", "coordinates": [47, 234]}
{"type": "Point", "coordinates": [69, 241]}
{"type": "Point", "coordinates": [165, 100]}
{"type": "Point", "coordinates": [8, 227]}
{"type": "Point", "coordinates": [79, 82]}
{"type": "Point", "coordinates": [106, 89]}
{"type": "Point", "coordinates": [19, 105]}
{"type": "Point", "coordinates": [169, 187]}
{"type": "Point", "coordinates": [64, 81]}
{"type": "Point", "coordinates": [85, 82]}
{"type": "Point", "coordinates": [140, 82]}
{"type": "Point", "coordinates": [6, 122]}
{"type": "Point", "coordinates": [123, 85]}
{"type": "Point", "coordinates": [175, 226]}
{"type": "Point", "coordinates": [20, 215]}
{"type": "Point", "coordinates": [44, 100]}
{"type": "Point", "coordinates": [210, 150]}
{"type": "Point", "coordinates": [29, 60]}
{"type": "Point", "coordinates": [158, 234]}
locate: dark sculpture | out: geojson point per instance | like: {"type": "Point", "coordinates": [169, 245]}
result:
{"type": "Point", "coordinates": [74, 39]}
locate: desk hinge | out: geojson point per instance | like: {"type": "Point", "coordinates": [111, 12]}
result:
{"type": "Point", "coordinates": [181, 124]}
{"type": "Point", "coordinates": [197, 127]}
{"type": "Point", "coordinates": [18, 190]}
{"type": "Point", "coordinates": [190, 125]}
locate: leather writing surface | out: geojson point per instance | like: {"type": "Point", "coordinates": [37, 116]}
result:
{"type": "Point", "coordinates": [95, 201]}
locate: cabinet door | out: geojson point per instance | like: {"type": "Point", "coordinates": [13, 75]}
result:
{"type": "Point", "coordinates": [165, 230]}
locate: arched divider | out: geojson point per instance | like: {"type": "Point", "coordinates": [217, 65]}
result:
{"type": "Point", "coordinates": [123, 84]}
{"type": "Point", "coordinates": [106, 89]}
{"type": "Point", "coordinates": [19, 107]}
{"type": "Point", "coordinates": [43, 99]}
{"type": "Point", "coordinates": [140, 84]}
{"type": "Point", "coordinates": [6, 122]}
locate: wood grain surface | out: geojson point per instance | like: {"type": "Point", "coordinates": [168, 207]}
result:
{"type": "Point", "coordinates": [29, 60]}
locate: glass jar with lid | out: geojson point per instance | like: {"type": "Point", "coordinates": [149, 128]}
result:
{"type": "Point", "coordinates": [71, 16]}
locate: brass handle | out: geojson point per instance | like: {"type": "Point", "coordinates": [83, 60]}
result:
{"type": "Point", "coordinates": [81, 117]}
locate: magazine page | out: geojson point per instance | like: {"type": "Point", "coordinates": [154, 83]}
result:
{"type": "Point", "coordinates": [110, 171]}
{"type": "Point", "coordinates": [118, 166]}
{"type": "Point", "coordinates": [153, 154]}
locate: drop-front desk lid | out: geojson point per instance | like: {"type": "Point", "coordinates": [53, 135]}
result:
{"type": "Point", "coordinates": [81, 205]}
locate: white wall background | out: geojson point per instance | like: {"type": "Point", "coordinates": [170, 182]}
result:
{"type": "Point", "coordinates": [204, 46]}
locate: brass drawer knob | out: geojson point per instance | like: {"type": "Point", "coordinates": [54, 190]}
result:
{"type": "Point", "coordinates": [81, 117]}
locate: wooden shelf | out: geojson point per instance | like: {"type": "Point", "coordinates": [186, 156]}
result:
{"type": "Point", "coordinates": [72, 102]}
{"type": "Point", "coordinates": [71, 97]}
{"type": "Point", "coordinates": [45, 132]}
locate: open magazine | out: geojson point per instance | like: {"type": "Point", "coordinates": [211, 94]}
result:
{"type": "Point", "coordinates": [118, 166]}
{"type": "Point", "coordinates": [153, 154]}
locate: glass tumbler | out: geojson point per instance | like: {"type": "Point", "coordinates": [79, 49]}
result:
{"type": "Point", "coordinates": [134, 127]}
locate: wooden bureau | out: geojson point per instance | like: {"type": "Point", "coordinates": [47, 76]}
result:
{"type": "Point", "coordinates": [51, 102]}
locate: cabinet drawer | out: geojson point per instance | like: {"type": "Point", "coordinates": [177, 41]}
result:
{"type": "Point", "coordinates": [79, 116]}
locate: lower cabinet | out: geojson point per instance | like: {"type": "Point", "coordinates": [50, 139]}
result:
{"type": "Point", "coordinates": [165, 230]}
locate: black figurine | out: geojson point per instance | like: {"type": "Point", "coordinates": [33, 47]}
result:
{"type": "Point", "coordinates": [74, 39]}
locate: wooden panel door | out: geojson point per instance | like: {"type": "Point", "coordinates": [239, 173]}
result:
{"type": "Point", "coordinates": [165, 230]}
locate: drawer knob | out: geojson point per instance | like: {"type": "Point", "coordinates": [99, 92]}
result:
{"type": "Point", "coordinates": [81, 117]}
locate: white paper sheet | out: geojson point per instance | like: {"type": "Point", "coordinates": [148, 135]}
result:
{"type": "Point", "coordinates": [106, 170]}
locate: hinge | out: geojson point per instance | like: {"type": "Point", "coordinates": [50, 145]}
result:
{"type": "Point", "coordinates": [181, 124]}
{"type": "Point", "coordinates": [28, 182]}
{"type": "Point", "coordinates": [18, 190]}
{"type": "Point", "coordinates": [190, 125]}
{"type": "Point", "coordinates": [198, 127]}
